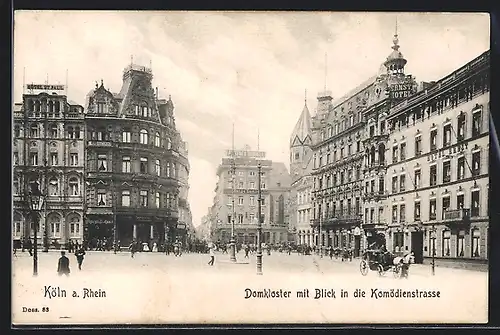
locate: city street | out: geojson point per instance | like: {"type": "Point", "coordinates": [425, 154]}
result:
{"type": "Point", "coordinates": [155, 288]}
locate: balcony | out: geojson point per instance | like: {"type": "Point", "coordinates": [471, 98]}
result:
{"type": "Point", "coordinates": [99, 144]}
{"type": "Point", "coordinates": [456, 215]}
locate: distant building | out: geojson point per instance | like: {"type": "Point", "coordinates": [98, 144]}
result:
{"type": "Point", "coordinates": [48, 147]}
{"type": "Point", "coordinates": [236, 198]}
{"type": "Point", "coordinates": [133, 163]}
{"type": "Point", "coordinates": [302, 182]}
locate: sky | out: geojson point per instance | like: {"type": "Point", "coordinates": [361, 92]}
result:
{"type": "Point", "coordinates": [253, 70]}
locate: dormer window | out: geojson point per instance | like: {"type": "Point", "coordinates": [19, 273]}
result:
{"type": "Point", "coordinates": [101, 108]}
{"type": "Point", "coordinates": [145, 111]}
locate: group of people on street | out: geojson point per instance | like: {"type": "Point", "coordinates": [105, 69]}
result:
{"type": "Point", "coordinates": [63, 263]}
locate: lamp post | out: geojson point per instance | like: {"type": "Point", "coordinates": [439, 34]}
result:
{"type": "Point", "coordinates": [433, 250]}
{"type": "Point", "coordinates": [320, 236]}
{"type": "Point", "coordinates": [259, 222]}
{"type": "Point", "coordinates": [35, 199]}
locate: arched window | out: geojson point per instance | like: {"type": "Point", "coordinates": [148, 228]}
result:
{"type": "Point", "coordinates": [168, 169]}
{"type": "Point", "coordinates": [157, 139]}
{"type": "Point", "coordinates": [53, 186]}
{"type": "Point", "coordinates": [74, 224]}
{"type": "Point", "coordinates": [74, 188]}
{"type": "Point", "coordinates": [54, 221]}
{"type": "Point", "coordinates": [17, 224]}
{"type": "Point", "coordinates": [53, 130]}
{"type": "Point", "coordinates": [51, 107]}
{"type": "Point", "coordinates": [37, 106]}
{"type": "Point", "coordinates": [169, 143]}
{"type": "Point", "coordinates": [145, 111]}
{"type": "Point", "coordinates": [143, 136]}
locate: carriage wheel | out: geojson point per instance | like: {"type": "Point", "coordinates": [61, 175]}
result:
{"type": "Point", "coordinates": [363, 267]}
{"type": "Point", "coordinates": [380, 270]}
{"type": "Point", "coordinates": [397, 271]}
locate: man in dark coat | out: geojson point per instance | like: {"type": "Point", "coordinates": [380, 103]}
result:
{"type": "Point", "coordinates": [80, 253]}
{"type": "Point", "coordinates": [63, 264]}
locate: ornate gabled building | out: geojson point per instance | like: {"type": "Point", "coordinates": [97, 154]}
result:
{"type": "Point", "coordinates": [300, 210]}
{"type": "Point", "coordinates": [48, 148]}
{"type": "Point", "coordinates": [132, 163]}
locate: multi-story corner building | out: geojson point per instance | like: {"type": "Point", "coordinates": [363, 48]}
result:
{"type": "Point", "coordinates": [185, 224]}
{"type": "Point", "coordinates": [132, 162]}
{"type": "Point", "coordinates": [236, 198]}
{"type": "Point", "coordinates": [48, 148]}
{"type": "Point", "coordinates": [300, 210]}
{"type": "Point", "coordinates": [388, 88]}
{"type": "Point", "coordinates": [438, 167]}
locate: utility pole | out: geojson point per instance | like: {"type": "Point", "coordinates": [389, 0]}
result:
{"type": "Point", "coordinates": [259, 222]}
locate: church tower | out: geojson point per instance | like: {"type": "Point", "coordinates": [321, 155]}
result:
{"type": "Point", "coordinates": [300, 145]}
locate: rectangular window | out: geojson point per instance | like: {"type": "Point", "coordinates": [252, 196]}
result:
{"type": "Point", "coordinates": [417, 178]}
{"type": "Point", "coordinates": [252, 185]}
{"type": "Point", "coordinates": [240, 184]}
{"type": "Point", "coordinates": [372, 186]}
{"type": "Point", "coordinates": [418, 145]}
{"type": "Point", "coordinates": [372, 215]}
{"type": "Point", "coordinates": [157, 167]}
{"type": "Point", "coordinates": [395, 154]}
{"type": "Point", "coordinates": [461, 127]}
{"type": "Point", "coordinates": [394, 213]}
{"type": "Point", "coordinates": [366, 215]}
{"type": "Point", "coordinates": [446, 250]}
{"type": "Point", "coordinates": [372, 131]}
{"type": "Point", "coordinates": [102, 163]}
{"type": "Point", "coordinates": [34, 158]}
{"type": "Point", "coordinates": [460, 201]}
{"type": "Point", "coordinates": [240, 218]}
{"type": "Point", "coordinates": [252, 201]}
{"type": "Point", "coordinates": [402, 213]}
{"type": "Point", "coordinates": [446, 205]}
{"type": "Point", "coordinates": [157, 199]}
{"type": "Point", "coordinates": [447, 135]}
{"type": "Point", "coordinates": [101, 197]}
{"type": "Point", "coordinates": [240, 201]}
{"type": "Point", "coordinates": [126, 166]}
{"type": "Point", "coordinates": [432, 209]}
{"type": "Point", "coordinates": [230, 200]}
{"type": "Point", "coordinates": [16, 158]}
{"type": "Point", "coordinates": [251, 216]}
{"type": "Point", "coordinates": [461, 168]}
{"type": "Point", "coordinates": [144, 198]}
{"type": "Point", "coordinates": [126, 136]}
{"type": "Point", "coordinates": [229, 219]}
{"type": "Point", "coordinates": [402, 150]}
{"type": "Point", "coordinates": [263, 186]}
{"type": "Point", "coordinates": [402, 183]}
{"type": "Point", "coordinates": [394, 184]}
{"type": "Point", "coordinates": [252, 173]}
{"type": "Point", "coordinates": [144, 165]}
{"type": "Point", "coordinates": [475, 203]}
{"type": "Point", "coordinates": [34, 131]}
{"type": "Point", "coordinates": [54, 161]}
{"type": "Point", "coordinates": [476, 124]}
{"type": "Point", "coordinates": [416, 214]}
{"type": "Point", "coordinates": [381, 185]}
{"type": "Point", "coordinates": [461, 244]}
{"type": "Point", "coordinates": [446, 172]}
{"type": "Point", "coordinates": [126, 198]}
{"type": "Point", "coordinates": [73, 159]}
{"type": "Point", "coordinates": [433, 139]}
{"type": "Point", "coordinates": [476, 248]}
{"type": "Point", "coordinates": [476, 163]}
{"type": "Point", "coordinates": [433, 175]}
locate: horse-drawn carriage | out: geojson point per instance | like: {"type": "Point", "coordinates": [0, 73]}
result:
{"type": "Point", "coordinates": [383, 261]}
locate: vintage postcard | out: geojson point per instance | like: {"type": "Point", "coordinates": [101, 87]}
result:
{"type": "Point", "coordinates": [250, 167]}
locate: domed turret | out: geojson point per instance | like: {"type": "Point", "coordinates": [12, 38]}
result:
{"type": "Point", "coordinates": [395, 62]}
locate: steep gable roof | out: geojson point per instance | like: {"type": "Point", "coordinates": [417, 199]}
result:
{"type": "Point", "coordinates": [302, 128]}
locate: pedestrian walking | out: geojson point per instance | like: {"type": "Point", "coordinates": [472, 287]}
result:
{"type": "Point", "coordinates": [79, 257]}
{"type": "Point", "coordinates": [212, 256]}
{"type": "Point", "coordinates": [132, 249]}
{"type": "Point", "coordinates": [247, 250]}
{"type": "Point", "coordinates": [63, 264]}
{"type": "Point", "coordinates": [155, 247]}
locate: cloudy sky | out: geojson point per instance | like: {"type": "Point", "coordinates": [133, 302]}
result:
{"type": "Point", "coordinates": [250, 69]}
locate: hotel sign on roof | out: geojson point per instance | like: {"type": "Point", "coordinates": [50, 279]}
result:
{"type": "Point", "coordinates": [245, 153]}
{"type": "Point", "coordinates": [45, 87]}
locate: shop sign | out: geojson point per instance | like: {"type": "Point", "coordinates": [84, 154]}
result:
{"type": "Point", "coordinates": [99, 221]}
{"type": "Point", "coordinates": [181, 226]}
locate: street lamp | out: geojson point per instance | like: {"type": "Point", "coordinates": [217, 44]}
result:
{"type": "Point", "coordinates": [35, 199]}
{"type": "Point", "coordinates": [259, 222]}
{"type": "Point", "coordinates": [433, 249]}
{"type": "Point", "coordinates": [320, 237]}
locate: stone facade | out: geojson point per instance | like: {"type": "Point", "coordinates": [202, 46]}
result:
{"type": "Point", "coordinates": [48, 147]}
